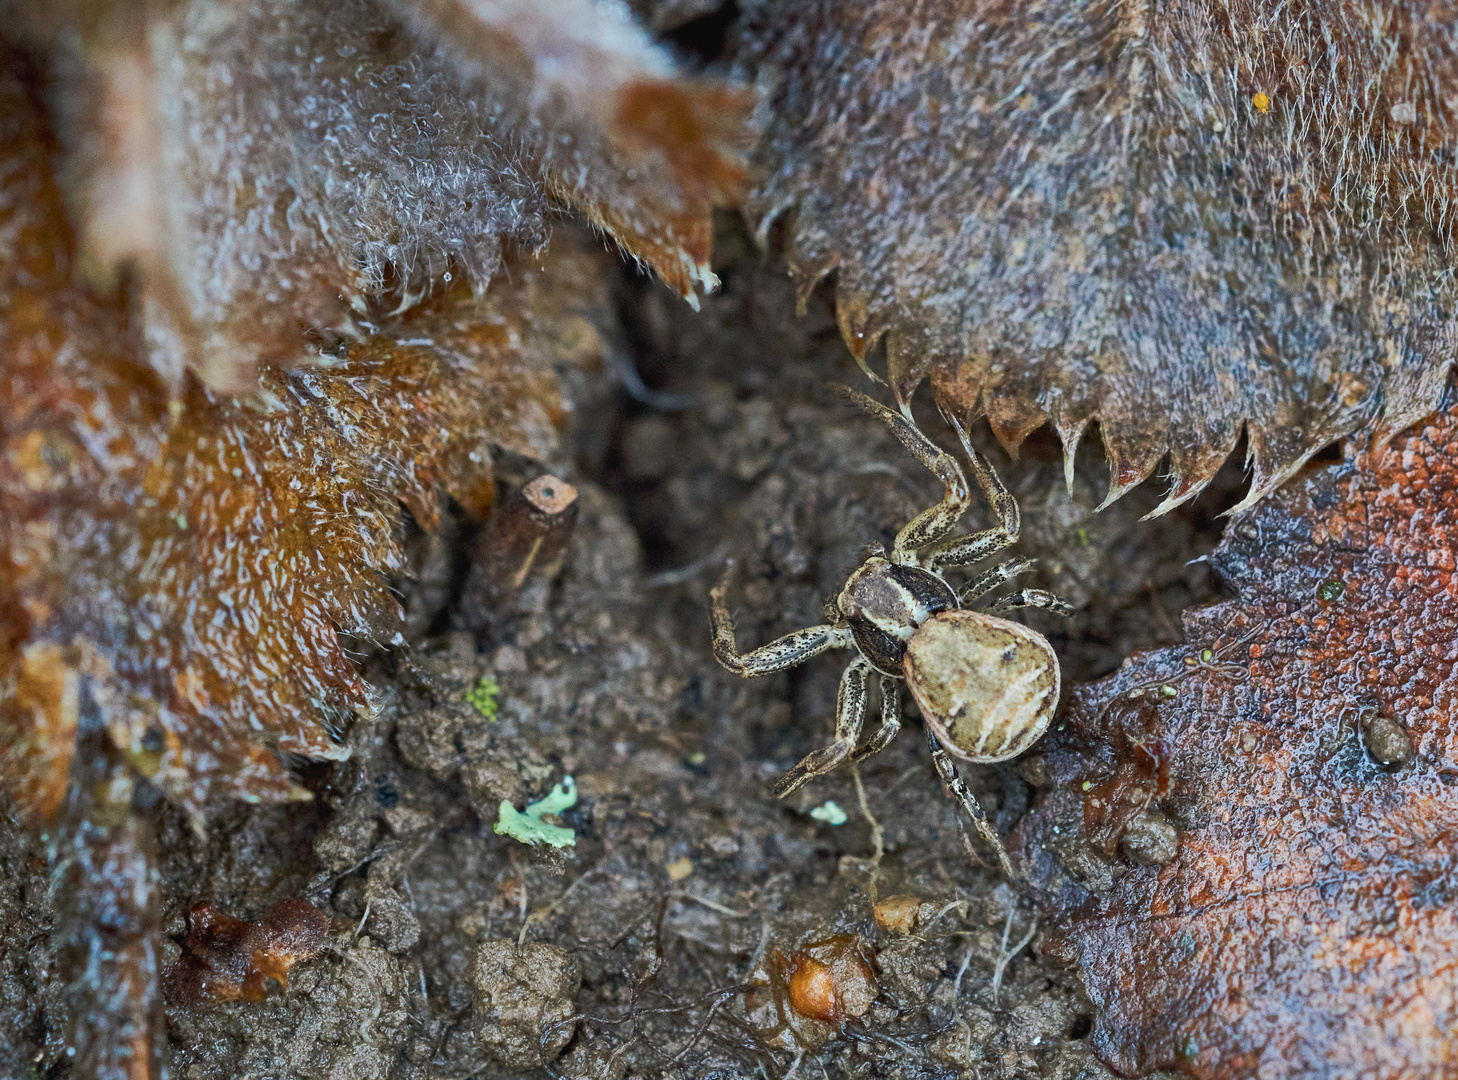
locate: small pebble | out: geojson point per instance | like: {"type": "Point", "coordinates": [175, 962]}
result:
{"type": "Point", "coordinates": [1151, 839]}
{"type": "Point", "coordinates": [897, 913]}
{"type": "Point", "coordinates": [1386, 741]}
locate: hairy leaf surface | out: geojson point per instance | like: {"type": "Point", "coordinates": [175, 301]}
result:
{"type": "Point", "coordinates": [1178, 220]}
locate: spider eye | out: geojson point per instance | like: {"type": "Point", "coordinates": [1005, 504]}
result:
{"type": "Point", "coordinates": [1009, 654]}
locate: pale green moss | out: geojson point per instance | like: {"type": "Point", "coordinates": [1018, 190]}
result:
{"type": "Point", "coordinates": [482, 697]}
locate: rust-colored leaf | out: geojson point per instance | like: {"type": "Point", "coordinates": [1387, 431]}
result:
{"type": "Point", "coordinates": [1178, 220]}
{"type": "Point", "coordinates": [196, 557]}
{"type": "Point", "coordinates": [1303, 745]}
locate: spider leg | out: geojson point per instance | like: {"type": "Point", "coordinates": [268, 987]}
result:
{"type": "Point", "coordinates": [850, 714]}
{"type": "Point", "coordinates": [932, 525]}
{"type": "Point", "coordinates": [1002, 502]}
{"type": "Point", "coordinates": [890, 720]}
{"type": "Point", "coordinates": [991, 579]}
{"type": "Point", "coordinates": [978, 546]}
{"type": "Point", "coordinates": [785, 652]}
{"type": "Point", "coordinates": [957, 789]}
{"type": "Point", "coordinates": [1034, 598]}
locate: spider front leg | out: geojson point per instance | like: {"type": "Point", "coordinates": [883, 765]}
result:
{"type": "Point", "coordinates": [978, 546]}
{"type": "Point", "coordinates": [957, 789]}
{"type": "Point", "coordinates": [778, 655]}
{"type": "Point", "coordinates": [932, 525]}
{"type": "Point", "coordinates": [850, 714]}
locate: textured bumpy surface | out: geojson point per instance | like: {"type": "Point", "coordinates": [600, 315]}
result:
{"type": "Point", "coordinates": [1306, 926]}
{"type": "Point", "coordinates": [1172, 219]}
{"type": "Point", "coordinates": [277, 167]}
{"type": "Point", "coordinates": [268, 271]}
{"type": "Point", "coordinates": [192, 559]}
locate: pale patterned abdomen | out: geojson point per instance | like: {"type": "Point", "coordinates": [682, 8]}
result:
{"type": "Point", "coordinates": [986, 686]}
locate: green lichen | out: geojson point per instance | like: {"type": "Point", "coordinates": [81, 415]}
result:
{"type": "Point", "coordinates": [527, 825]}
{"type": "Point", "coordinates": [482, 697]}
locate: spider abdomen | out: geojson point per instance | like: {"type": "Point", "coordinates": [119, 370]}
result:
{"type": "Point", "coordinates": [986, 686]}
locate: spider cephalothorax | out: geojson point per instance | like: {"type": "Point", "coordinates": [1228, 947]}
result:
{"type": "Point", "coordinates": [986, 687]}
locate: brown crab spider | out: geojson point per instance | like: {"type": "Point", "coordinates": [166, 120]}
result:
{"type": "Point", "coordinates": [987, 687]}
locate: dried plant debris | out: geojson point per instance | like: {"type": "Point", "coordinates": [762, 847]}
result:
{"type": "Point", "coordinates": [803, 1001]}
{"type": "Point", "coordinates": [1249, 848]}
{"type": "Point", "coordinates": [1176, 220]}
{"type": "Point", "coordinates": [193, 559]}
{"type": "Point", "coordinates": [230, 959]}
{"type": "Point", "coordinates": [276, 167]}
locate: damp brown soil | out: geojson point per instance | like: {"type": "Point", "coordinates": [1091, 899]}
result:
{"type": "Point", "coordinates": [457, 952]}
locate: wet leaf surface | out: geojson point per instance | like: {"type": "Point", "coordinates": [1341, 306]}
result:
{"type": "Point", "coordinates": [1303, 745]}
{"type": "Point", "coordinates": [195, 558]}
{"type": "Point", "coordinates": [254, 173]}
{"type": "Point", "coordinates": [1179, 221]}
{"type": "Point", "coordinates": [603, 114]}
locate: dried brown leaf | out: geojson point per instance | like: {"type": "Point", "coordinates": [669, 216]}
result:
{"type": "Point", "coordinates": [1303, 745]}
{"type": "Point", "coordinates": [230, 959]}
{"type": "Point", "coordinates": [642, 153]}
{"type": "Point", "coordinates": [196, 558]}
{"type": "Point", "coordinates": [1178, 220]}
{"type": "Point", "coordinates": [273, 169]}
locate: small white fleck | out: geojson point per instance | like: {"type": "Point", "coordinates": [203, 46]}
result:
{"type": "Point", "coordinates": [829, 813]}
